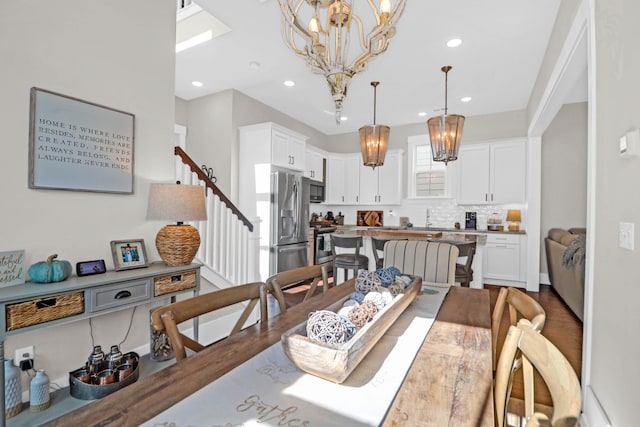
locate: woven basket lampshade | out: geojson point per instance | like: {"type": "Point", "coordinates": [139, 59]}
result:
{"type": "Point", "coordinates": [178, 243]}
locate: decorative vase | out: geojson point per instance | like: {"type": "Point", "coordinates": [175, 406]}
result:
{"type": "Point", "coordinates": [12, 389]}
{"type": "Point", "coordinates": [39, 399]}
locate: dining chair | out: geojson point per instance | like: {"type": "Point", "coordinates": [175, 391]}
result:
{"type": "Point", "coordinates": [520, 305]}
{"type": "Point", "coordinates": [378, 246]}
{"type": "Point", "coordinates": [348, 261]}
{"type": "Point", "coordinates": [311, 275]}
{"type": "Point", "coordinates": [166, 319]}
{"type": "Point", "coordinates": [464, 272]}
{"type": "Point", "coordinates": [535, 351]}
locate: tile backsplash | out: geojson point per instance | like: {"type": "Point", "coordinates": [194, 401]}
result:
{"type": "Point", "coordinates": [442, 212]}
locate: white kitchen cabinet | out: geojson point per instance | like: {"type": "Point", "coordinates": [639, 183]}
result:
{"type": "Point", "coordinates": [492, 173]}
{"type": "Point", "coordinates": [288, 149]}
{"type": "Point", "coordinates": [261, 147]}
{"type": "Point", "coordinates": [382, 185]}
{"type": "Point", "coordinates": [352, 179]}
{"type": "Point", "coordinates": [314, 166]}
{"type": "Point", "coordinates": [335, 185]}
{"type": "Point", "coordinates": [502, 260]}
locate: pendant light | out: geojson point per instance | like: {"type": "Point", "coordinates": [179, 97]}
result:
{"type": "Point", "coordinates": [445, 131]}
{"type": "Point", "coordinates": [374, 138]}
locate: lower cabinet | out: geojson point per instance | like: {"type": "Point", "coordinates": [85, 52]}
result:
{"type": "Point", "coordinates": [502, 260]}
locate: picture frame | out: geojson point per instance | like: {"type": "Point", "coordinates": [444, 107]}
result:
{"type": "Point", "coordinates": [12, 268]}
{"type": "Point", "coordinates": [129, 254]}
{"type": "Point", "coordinates": [79, 145]}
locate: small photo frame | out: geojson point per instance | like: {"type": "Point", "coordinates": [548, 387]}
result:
{"type": "Point", "coordinates": [128, 254]}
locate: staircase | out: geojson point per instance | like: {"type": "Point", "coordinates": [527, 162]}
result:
{"type": "Point", "coordinates": [229, 241]}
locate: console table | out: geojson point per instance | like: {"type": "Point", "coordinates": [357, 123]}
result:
{"type": "Point", "coordinates": [32, 306]}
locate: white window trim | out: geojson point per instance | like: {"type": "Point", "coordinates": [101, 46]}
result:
{"type": "Point", "coordinates": [412, 142]}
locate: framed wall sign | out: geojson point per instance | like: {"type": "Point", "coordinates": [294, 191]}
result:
{"type": "Point", "coordinates": [11, 268]}
{"type": "Point", "coordinates": [79, 145]}
{"type": "Point", "coordinates": [129, 254]}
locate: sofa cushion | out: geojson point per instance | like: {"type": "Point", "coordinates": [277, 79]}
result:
{"type": "Point", "coordinates": [562, 236]}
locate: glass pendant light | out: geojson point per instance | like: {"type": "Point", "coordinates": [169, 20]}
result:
{"type": "Point", "coordinates": [374, 138]}
{"type": "Point", "coordinates": [445, 131]}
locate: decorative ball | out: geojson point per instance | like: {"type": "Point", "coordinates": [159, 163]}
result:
{"type": "Point", "coordinates": [386, 295]}
{"type": "Point", "coordinates": [326, 327]}
{"type": "Point", "coordinates": [367, 281]}
{"type": "Point", "coordinates": [351, 328]}
{"type": "Point", "coordinates": [387, 275]}
{"type": "Point", "coordinates": [358, 297]}
{"type": "Point", "coordinates": [363, 313]}
{"type": "Point", "coordinates": [403, 281]}
{"type": "Point", "coordinates": [395, 289]}
{"type": "Point", "coordinates": [377, 299]}
{"type": "Point", "coordinates": [344, 310]}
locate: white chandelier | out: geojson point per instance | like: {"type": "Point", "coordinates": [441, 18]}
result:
{"type": "Point", "coordinates": [324, 31]}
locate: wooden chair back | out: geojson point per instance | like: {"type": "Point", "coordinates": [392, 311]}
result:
{"type": "Point", "coordinates": [166, 319]}
{"type": "Point", "coordinates": [312, 274]}
{"type": "Point", "coordinates": [537, 352]}
{"type": "Point", "coordinates": [521, 306]}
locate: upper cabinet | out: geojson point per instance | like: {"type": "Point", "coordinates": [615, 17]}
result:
{"type": "Point", "coordinates": [492, 173]}
{"type": "Point", "coordinates": [335, 188]}
{"type": "Point", "coordinates": [314, 165]}
{"type": "Point", "coordinates": [382, 185]}
{"type": "Point", "coordinates": [288, 149]}
{"type": "Point", "coordinates": [349, 182]}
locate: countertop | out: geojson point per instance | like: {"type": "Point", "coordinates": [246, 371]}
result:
{"type": "Point", "coordinates": [428, 229]}
{"type": "Point", "coordinates": [414, 233]}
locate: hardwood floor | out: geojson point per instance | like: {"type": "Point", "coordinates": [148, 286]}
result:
{"type": "Point", "coordinates": [562, 328]}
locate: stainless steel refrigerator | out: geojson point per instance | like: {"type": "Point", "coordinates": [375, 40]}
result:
{"type": "Point", "coordinates": [289, 237]}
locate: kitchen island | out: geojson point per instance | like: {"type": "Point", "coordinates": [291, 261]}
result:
{"type": "Point", "coordinates": [421, 233]}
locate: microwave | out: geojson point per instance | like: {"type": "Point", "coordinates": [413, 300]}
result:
{"type": "Point", "coordinates": [316, 191]}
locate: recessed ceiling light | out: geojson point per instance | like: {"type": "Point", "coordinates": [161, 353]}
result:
{"type": "Point", "coordinates": [289, 83]}
{"type": "Point", "coordinates": [422, 114]}
{"type": "Point", "coordinates": [466, 99]}
{"type": "Point", "coordinates": [454, 42]}
{"type": "Point", "coordinates": [197, 83]}
{"type": "Point", "coordinates": [344, 118]}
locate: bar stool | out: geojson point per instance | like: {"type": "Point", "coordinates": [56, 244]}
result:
{"type": "Point", "coordinates": [378, 246]}
{"type": "Point", "coordinates": [347, 261]}
{"type": "Point", "coordinates": [464, 272]}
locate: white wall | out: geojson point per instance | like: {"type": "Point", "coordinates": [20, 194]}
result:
{"type": "Point", "coordinates": [614, 368]}
{"type": "Point", "coordinates": [119, 54]}
{"type": "Point", "coordinates": [564, 173]}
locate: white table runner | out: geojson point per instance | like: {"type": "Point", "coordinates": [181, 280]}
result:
{"type": "Point", "coordinates": [268, 390]}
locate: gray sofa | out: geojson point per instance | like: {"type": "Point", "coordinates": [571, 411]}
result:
{"type": "Point", "coordinates": [565, 262]}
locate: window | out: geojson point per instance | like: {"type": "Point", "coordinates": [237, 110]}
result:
{"type": "Point", "coordinates": [426, 177]}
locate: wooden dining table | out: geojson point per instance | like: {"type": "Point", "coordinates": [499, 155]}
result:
{"type": "Point", "coordinates": [449, 382]}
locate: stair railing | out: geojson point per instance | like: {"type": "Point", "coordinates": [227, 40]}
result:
{"type": "Point", "coordinates": [229, 241]}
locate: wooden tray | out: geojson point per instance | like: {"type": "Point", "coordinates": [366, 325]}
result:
{"type": "Point", "coordinates": [336, 362]}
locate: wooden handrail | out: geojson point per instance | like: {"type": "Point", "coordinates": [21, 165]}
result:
{"type": "Point", "coordinates": [203, 176]}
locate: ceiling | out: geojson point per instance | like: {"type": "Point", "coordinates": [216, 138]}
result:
{"type": "Point", "coordinates": [504, 42]}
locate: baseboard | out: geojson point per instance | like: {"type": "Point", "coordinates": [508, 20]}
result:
{"type": "Point", "coordinates": [593, 414]}
{"type": "Point", "coordinates": [544, 279]}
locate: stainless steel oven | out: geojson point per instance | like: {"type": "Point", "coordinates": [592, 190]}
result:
{"type": "Point", "coordinates": [323, 253]}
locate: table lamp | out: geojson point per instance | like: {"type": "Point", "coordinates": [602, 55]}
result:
{"type": "Point", "coordinates": [177, 243]}
{"type": "Point", "coordinates": [513, 215]}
